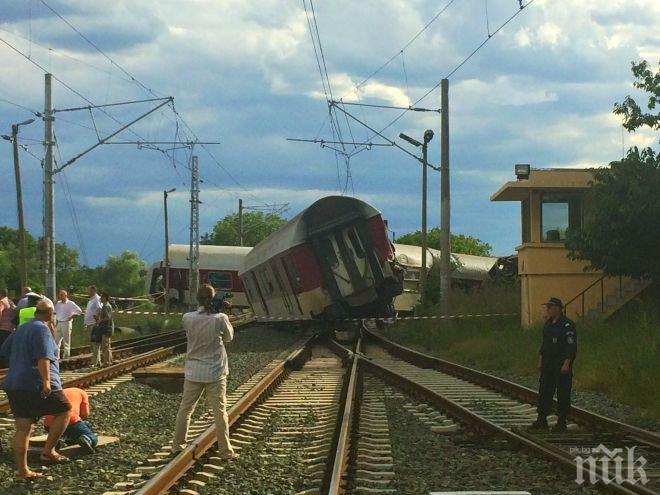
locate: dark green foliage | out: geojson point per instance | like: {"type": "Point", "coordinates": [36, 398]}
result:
{"type": "Point", "coordinates": [633, 116]}
{"type": "Point", "coordinates": [257, 225]}
{"type": "Point", "coordinates": [120, 276]}
{"type": "Point", "coordinates": [460, 243]}
{"type": "Point", "coordinates": [620, 235]}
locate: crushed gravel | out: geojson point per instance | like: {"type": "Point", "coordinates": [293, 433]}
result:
{"type": "Point", "coordinates": [425, 462]}
{"type": "Point", "coordinates": [143, 419]}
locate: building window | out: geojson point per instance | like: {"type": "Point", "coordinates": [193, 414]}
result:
{"type": "Point", "coordinates": [220, 280]}
{"type": "Point", "coordinates": [559, 213]}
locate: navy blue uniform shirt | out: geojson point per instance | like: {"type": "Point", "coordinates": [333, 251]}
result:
{"type": "Point", "coordinates": [26, 345]}
{"type": "Point", "coordinates": [559, 340]}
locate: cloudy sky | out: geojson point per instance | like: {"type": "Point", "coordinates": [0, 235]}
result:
{"type": "Point", "coordinates": [244, 73]}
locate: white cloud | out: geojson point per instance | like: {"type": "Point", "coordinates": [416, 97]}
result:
{"type": "Point", "coordinates": [549, 33]}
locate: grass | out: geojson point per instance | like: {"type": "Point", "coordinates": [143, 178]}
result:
{"type": "Point", "coordinates": [620, 358]}
{"type": "Point", "coordinates": [128, 326]}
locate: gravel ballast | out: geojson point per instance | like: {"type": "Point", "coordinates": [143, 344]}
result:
{"type": "Point", "coordinates": [425, 462]}
{"type": "Point", "coordinates": [143, 419]}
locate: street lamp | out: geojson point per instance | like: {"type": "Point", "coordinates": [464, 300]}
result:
{"type": "Point", "coordinates": [428, 135]}
{"type": "Point", "coordinates": [167, 251]}
{"type": "Point", "coordinates": [19, 198]}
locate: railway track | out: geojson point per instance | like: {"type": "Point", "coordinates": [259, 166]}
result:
{"type": "Point", "coordinates": [316, 422]}
{"type": "Point", "coordinates": [497, 407]}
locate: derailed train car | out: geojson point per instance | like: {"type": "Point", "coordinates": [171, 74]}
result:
{"type": "Point", "coordinates": [468, 271]}
{"type": "Point", "coordinates": [331, 261]}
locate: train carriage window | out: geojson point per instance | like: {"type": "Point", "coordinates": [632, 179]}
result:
{"type": "Point", "coordinates": [355, 241]}
{"type": "Point", "coordinates": [292, 272]}
{"type": "Point", "coordinates": [220, 280]}
{"type": "Point", "coordinates": [328, 252]}
{"type": "Point", "coordinates": [266, 283]}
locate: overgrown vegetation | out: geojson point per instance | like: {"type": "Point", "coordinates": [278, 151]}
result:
{"type": "Point", "coordinates": [618, 358]}
{"type": "Point", "coordinates": [620, 234]}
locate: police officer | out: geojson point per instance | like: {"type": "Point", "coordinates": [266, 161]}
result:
{"type": "Point", "coordinates": [556, 359]}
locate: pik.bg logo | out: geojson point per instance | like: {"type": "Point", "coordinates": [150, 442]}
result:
{"type": "Point", "coordinates": [609, 466]}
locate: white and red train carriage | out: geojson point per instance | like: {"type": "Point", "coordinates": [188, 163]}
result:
{"type": "Point", "coordinates": [333, 260]}
{"type": "Point", "coordinates": [218, 266]}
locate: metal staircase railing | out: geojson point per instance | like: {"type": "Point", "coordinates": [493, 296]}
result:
{"type": "Point", "coordinates": [600, 284]}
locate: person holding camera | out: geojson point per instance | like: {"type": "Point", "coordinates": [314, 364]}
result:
{"type": "Point", "coordinates": [206, 370]}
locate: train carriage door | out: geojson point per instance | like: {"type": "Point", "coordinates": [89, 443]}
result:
{"type": "Point", "coordinates": [346, 256]}
{"type": "Point", "coordinates": [284, 293]}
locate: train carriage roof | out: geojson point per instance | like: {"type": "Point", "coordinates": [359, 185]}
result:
{"type": "Point", "coordinates": [321, 215]}
{"type": "Point", "coordinates": [210, 257]}
{"type": "Point", "coordinates": [470, 267]}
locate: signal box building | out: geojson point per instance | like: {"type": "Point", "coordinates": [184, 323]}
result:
{"type": "Point", "coordinates": [551, 202]}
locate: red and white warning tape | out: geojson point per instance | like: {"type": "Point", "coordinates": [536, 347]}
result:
{"type": "Point", "coordinates": [391, 320]}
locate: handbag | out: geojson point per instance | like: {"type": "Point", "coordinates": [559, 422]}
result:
{"type": "Point", "coordinates": [96, 335]}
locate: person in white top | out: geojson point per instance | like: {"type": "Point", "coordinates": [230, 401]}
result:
{"type": "Point", "coordinates": [92, 309]}
{"type": "Point", "coordinates": [65, 310]}
{"type": "Point", "coordinates": [206, 370]}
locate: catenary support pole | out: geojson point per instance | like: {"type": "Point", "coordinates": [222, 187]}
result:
{"type": "Point", "coordinates": [193, 279]}
{"type": "Point", "coordinates": [19, 207]}
{"type": "Point", "coordinates": [166, 296]}
{"type": "Point", "coordinates": [423, 272]}
{"type": "Point", "coordinates": [445, 208]}
{"type": "Point", "coordinates": [240, 222]}
{"type": "Point", "coordinates": [49, 193]}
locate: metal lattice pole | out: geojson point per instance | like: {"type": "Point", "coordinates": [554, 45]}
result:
{"type": "Point", "coordinates": [193, 256]}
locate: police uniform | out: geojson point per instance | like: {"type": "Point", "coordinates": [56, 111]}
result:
{"type": "Point", "coordinates": [559, 344]}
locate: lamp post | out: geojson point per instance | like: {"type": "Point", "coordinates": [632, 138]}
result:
{"type": "Point", "coordinates": [428, 135]}
{"type": "Point", "coordinates": [167, 251]}
{"type": "Point", "coordinates": [19, 199]}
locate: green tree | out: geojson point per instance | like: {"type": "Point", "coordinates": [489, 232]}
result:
{"type": "Point", "coordinates": [257, 225]}
{"type": "Point", "coordinates": [122, 275]}
{"type": "Point", "coordinates": [460, 243]}
{"type": "Point", "coordinates": [620, 235]}
{"type": "Point", "coordinates": [67, 264]}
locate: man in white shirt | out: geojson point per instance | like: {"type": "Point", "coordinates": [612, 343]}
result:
{"type": "Point", "coordinates": [206, 370]}
{"type": "Point", "coordinates": [23, 301]}
{"type": "Point", "coordinates": [92, 309]}
{"type": "Point", "coordinates": [65, 310]}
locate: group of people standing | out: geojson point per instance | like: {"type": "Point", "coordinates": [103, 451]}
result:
{"type": "Point", "coordinates": [35, 334]}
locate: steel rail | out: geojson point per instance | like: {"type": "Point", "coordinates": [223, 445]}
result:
{"type": "Point", "coordinates": [507, 387]}
{"type": "Point", "coordinates": [343, 444]}
{"type": "Point", "coordinates": [113, 370]}
{"type": "Point", "coordinates": [168, 476]}
{"type": "Point", "coordinates": [482, 424]}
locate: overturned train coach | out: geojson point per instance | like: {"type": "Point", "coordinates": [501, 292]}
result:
{"type": "Point", "coordinates": [331, 261]}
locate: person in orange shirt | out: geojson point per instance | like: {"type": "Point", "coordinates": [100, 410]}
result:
{"type": "Point", "coordinates": [79, 430]}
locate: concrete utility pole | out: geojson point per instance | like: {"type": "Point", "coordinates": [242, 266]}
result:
{"type": "Point", "coordinates": [49, 193]}
{"type": "Point", "coordinates": [193, 279]}
{"type": "Point", "coordinates": [240, 222]}
{"type": "Point", "coordinates": [445, 208]}
{"type": "Point", "coordinates": [19, 202]}
{"type": "Point", "coordinates": [167, 252]}
{"type": "Point", "coordinates": [428, 135]}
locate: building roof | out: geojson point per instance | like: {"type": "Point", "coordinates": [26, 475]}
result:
{"type": "Point", "coordinates": [321, 215]}
{"type": "Point", "coordinates": [210, 257]}
{"type": "Point", "coordinates": [468, 266]}
{"type": "Point", "coordinates": [558, 179]}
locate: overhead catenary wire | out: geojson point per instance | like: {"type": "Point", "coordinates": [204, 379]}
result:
{"type": "Point", "coordinates": [132, 78]}
{"type": "Point", "coordinates": [457, 67]}
{"type": "Point", "coordinates": [400, 51]}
